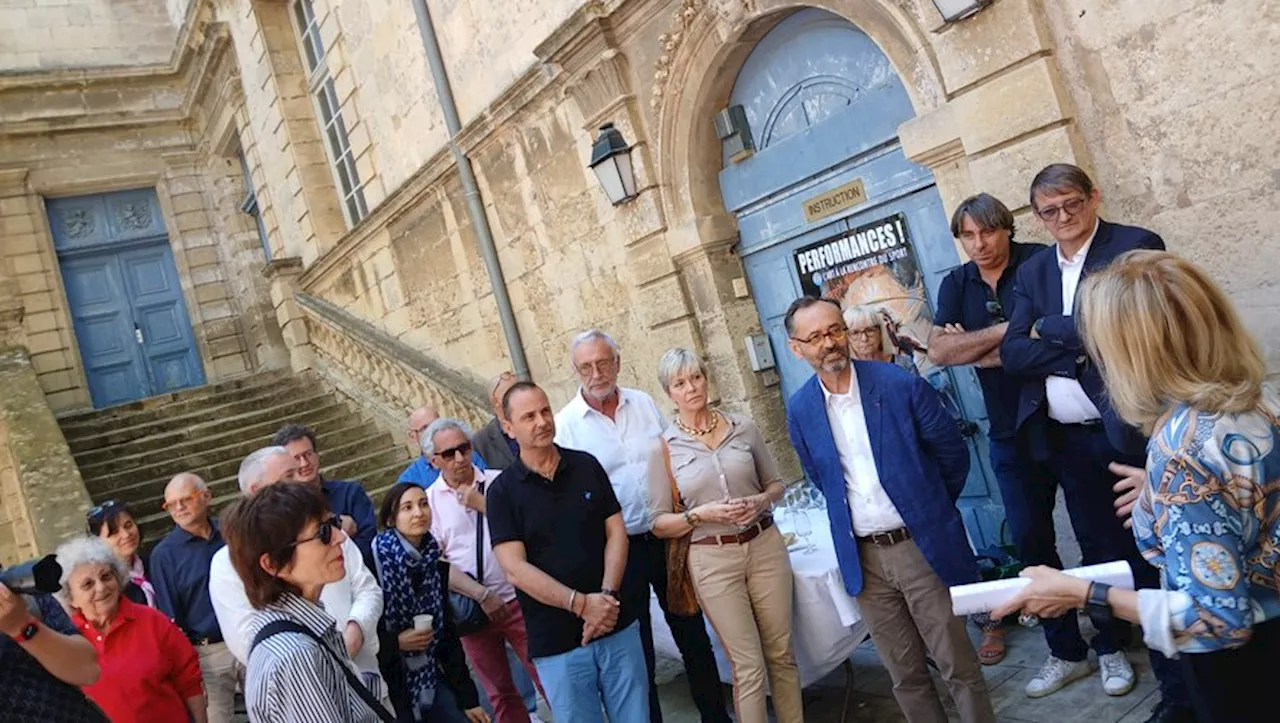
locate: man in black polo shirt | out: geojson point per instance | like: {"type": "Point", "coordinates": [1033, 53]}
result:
{"type": "Point", "coordinates": [558, 533]}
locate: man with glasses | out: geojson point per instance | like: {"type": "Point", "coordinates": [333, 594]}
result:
{"type": "Point", "coordinates": [974, 304]}
{"type": "Point", "coordinates": [1070, 436]}
{"type": "Point", "coordinates": [180, 574]}
{"type": "Point", "coordinates": [879, 444]}
{"type": "Point", "coordinates": [420, 472]}
{"type": "Point", "coordinates": [620, 427]}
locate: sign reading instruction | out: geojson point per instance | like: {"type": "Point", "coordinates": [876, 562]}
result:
{"type": "Point", "coordinates": [834, 201]}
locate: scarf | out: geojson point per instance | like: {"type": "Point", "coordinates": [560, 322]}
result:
{"type": "Point", "coordinates": [411, 586]}
{"type": "Point", "coordinates": [138, 576]}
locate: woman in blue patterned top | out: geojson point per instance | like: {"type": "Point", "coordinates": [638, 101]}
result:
{"type": "Point", "coordinates": [1180, 365]}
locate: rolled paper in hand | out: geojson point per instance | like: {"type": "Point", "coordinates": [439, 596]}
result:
{"type": "Point", "coordinates": [983, 597]}
{"type": "Point", "coordinates": [422, 622]}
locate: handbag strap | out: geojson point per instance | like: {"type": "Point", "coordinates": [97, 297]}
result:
{"type": "Point", "coordinates": [480, 539]}
{"type": "Point", "coordinates": [276, 627]}
{"type": "Point", "coordinates": [671, 479]}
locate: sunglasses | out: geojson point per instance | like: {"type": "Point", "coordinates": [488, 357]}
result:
{"type": "Point", "coordinates": [996, 310]}
{"type": "Point", "coordinates": [98, 513]}
{"type": "Point", "coordinates": [464, 449]}
{"type": "Point", "coordinates": [324, 534]}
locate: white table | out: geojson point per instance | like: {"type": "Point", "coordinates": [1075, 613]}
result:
{"type": "Point", "coordinates": [826, 622]}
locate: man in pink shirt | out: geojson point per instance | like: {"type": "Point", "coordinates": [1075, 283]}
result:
{"type": "Point", "coordinates": [459, 526]}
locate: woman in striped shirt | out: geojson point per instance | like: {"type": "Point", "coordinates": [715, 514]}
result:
{"type": "Point", "coordinates": [286, 546]}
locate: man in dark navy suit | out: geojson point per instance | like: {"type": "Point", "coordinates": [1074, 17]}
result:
{"type": "Point", "coordinates": [1068, 432]}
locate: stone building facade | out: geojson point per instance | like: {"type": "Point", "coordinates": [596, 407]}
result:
{"type": "Point", "coordinates": [320, 118]}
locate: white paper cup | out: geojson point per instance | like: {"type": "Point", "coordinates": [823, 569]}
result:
{"type": "Point", "coordinates": [422, 622]}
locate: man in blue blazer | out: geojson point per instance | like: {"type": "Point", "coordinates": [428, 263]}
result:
{"type": "Point", "coordinates": [1069, 435]}
{"type": "Point", "coordinates": [891, 462]}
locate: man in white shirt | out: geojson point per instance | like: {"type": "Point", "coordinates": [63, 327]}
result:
{"type": "Point", "coordinates": [355, 601]}
{"type": "Point", "coordinates": [620, 427]}
{"type": "Point", "coordinates": [1069, 436]}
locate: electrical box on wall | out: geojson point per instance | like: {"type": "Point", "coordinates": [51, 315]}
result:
{"type": "Point", "coordinates": [759, 352]}
{"type": "Point", "coordinates": [734, 133]}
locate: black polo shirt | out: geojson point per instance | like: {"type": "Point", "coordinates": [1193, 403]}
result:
{"type": "Point", "coordinates": [963, 298]}
{"type": "Point", "coordinates": [561, 523]}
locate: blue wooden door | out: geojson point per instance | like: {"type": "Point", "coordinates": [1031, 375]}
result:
{"type": "Point", "coordinates": [127, 307]}
{"type": "Point", "coordinates": [824, 104]}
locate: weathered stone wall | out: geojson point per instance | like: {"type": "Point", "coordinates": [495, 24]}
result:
{"type": "Point", "coordinates": [48, 34]}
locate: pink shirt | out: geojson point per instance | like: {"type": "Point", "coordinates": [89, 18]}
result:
{"type": "Point", "coordinates": [454, 527]}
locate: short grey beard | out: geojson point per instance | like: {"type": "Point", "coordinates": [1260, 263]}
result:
{"type": "Point", "coordinates": [612, 390]}
{"type": "Point", "coordinates": [836, 366]}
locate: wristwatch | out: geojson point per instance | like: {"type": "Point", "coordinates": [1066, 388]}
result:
{"type": "Point", "coordinates": [29, 630]}
{"type": "Point", "coordinates": [611, 593]}
{"type": "Point", "coordinates": [1096, 604]}
{"type": "Point", "coordinates": [1037, 326]}
{"type": "Point", "coordinates": [692, 518]}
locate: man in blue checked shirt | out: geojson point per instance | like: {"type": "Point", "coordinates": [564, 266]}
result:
{"type": "Point", "coordinates": [180, 575]}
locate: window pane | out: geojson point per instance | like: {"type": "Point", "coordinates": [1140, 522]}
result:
{"type": "Point", "coordinates": [342, 132]}
{"type": "Point", "coordinates": [344, 179]}
{"type": "Point", "coordinates": [353, 210]}
{"type": "Point", "coordinates": [350, 161]}
{"type": "Point", "coordinates": [364, 210]}
{"type": "Point", "coordinates": [314, 41]}
{"type": "Point", "coordinates": [326, 111]}
{"type": "Point", "coordinates": [300, 15]}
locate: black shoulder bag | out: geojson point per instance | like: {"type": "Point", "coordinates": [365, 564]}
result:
{"type": "Point", "coordinates": [277, 627]}
{"type": "Point", "coordinates": [468, 615]}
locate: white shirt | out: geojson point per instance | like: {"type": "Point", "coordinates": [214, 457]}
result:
{"type": "Point", "coordinates": [1068, 403]}
{"type": "Point", "coordinates": [621, 445]}
{"type": "Point", "coordinates": [356, 597]}
{"type": "Point", "coordinates": [869, 504]}
{"type": "Point", "coordinates": [453, 525]}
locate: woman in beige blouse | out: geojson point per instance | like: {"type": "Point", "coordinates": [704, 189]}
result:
{"type": "Point", "coordinates": [728, 484]}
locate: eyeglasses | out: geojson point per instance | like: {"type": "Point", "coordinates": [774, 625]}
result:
{"type": "Point", "coordinates": [837, 334]}
{"type": "Point", "coordinates": [190, 499]}
{"type": "Point", "coordinates": [463, 449]}
{"type": "Point", "coordinates": [603, 367]}
{"type": "Point", "coordinates": [324, 534]}
{"type": "Point", "coordinates": [99, 512]}
{"type": "Point", "coordinates": [1071, 208]}
{"type": "Point", "coordinates": [498, 382]}
{"type": "Point", "coordinates": [996, 310]}
{"type": "Point", "coordinates": [869, 332]}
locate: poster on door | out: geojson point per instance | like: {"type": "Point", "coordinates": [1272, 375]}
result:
{"type": "Point", "coordinates": [873, 266]}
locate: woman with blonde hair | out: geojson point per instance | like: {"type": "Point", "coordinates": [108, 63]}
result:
{"type": "Point", "coordinates": [1180, 365]}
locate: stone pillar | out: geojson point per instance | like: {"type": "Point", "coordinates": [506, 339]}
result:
{"type": "Point", "coordinates": [283, 275]}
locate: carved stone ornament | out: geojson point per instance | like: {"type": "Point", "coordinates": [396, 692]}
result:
{"type": "Point", "coordinates": [78, 222]}
{"type": "Point", "coordinates": [133, 215]}
{"type": "Point", "coordinates": [729, 12]}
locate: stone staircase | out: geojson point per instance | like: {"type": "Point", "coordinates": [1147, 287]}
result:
{"type": "Point", "coordinates": [130, 452]}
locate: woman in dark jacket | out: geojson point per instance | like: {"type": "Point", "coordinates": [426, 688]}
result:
{"type": "Point", "coordinates": [424, 664]}
{"type": "Point", "coordinates": [113, 522]}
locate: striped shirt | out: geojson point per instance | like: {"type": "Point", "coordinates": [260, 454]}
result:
{"type": "Point", "coordinates": [289, 679]}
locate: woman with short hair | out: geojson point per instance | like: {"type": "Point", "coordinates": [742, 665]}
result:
{"type": "Point", "coordinates": [150, 671]}
{"type": "Point", "coordinates": [113, 521]}
{"type": "Point", "coordinates": [285, 546]}
{"type": "Point", "coordinates": [869, 338]}
{"type": "Point", "coordinates": [1180, 365]}
{"type": "Point", "coordinates": [727, 484]}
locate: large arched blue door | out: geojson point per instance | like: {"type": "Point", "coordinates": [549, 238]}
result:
{"type": "Point", "coordinates": [829, 204]}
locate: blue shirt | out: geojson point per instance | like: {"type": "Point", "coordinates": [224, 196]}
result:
{"type": "Point", "coordinates": [965, 299]}
{"type": "Point", "coordinates": [421, 472]}
{"type": "Point", "coordinates": [350, 499]}
{"type": "Point", "coordinates": [180, 575]}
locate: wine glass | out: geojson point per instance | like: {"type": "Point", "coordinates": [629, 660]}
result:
{"type": "Point", "coordinates": [803, 528]}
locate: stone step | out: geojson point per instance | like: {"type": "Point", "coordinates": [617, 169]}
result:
{"type": "Point", "coordinates": [224, 418]}
{"type": "Point", "coordinates": [149, 451]}
{"type": "Point", "coordinates": [342, 431]}
{"type": "Point", "coordinates": [172, 405]}
{"type": "Point", "coordinates": [375, 471]}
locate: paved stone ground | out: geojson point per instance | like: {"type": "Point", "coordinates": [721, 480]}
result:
{"type": "Point", "coordinates": [1083, 700]}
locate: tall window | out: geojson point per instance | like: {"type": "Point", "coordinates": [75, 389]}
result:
{"type": "Point", "coordinates": [250, 205]}
{"type": "Point", "coordinates": [329, 112]}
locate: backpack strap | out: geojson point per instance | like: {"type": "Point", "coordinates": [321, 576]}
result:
{"type": "Point", "coordinates": [277, 627]}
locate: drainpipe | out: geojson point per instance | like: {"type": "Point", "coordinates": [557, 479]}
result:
{"type": "Point", "coordinates": [475, 207]}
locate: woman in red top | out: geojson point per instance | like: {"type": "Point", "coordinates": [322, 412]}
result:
{"type": "Point", "coordinates": [150, 671]}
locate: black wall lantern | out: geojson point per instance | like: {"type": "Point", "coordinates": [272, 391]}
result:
{"type": "Point", "coordinates": [611, 162]}
{"type": "Point", "coordinates": [953, 10]}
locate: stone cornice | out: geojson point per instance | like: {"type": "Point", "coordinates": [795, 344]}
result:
{"type": "Point", "coordinates": [287, 266]}
{"type": "Point", "coordinates": [13, 182]}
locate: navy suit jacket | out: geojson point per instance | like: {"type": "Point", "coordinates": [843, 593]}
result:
{"type": "Point", "coordinates": [920, 457]}
{"type": "Point", "coordinates": [1038, 295]}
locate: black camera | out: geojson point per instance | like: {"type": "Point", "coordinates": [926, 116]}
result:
{"type": "Point", "coordinates": [34, 577]}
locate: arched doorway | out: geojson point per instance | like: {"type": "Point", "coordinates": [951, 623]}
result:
{"type": "Point", "coordinates": [829, 204]}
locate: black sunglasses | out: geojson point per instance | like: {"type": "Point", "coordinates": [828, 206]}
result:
{"type": "Point", "coordinates": [464, 449]}
{"type": "Point", "coordinates": [996, 310]}
{"type": "Point", "coordinates": [99, 512]}
{"type": "Point", "coordinates": [324, 534]}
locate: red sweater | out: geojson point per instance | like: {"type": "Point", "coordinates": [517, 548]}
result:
{"type": "Point", "coordinates": [149, 668]}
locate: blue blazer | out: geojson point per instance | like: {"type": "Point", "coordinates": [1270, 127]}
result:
{"type": "Point", "coordinates": [1038, 294]}
{"type": "Point", "coordinates": [920, 457]}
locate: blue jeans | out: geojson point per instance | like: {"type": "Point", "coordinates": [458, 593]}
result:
{"type": "Point", "coordinates": [608, 672]}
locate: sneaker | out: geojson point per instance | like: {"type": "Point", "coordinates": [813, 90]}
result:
{"type": "Point", "coordinates": [1056, 673]}
{"type": "Point", "coordinates": [1117, 674]}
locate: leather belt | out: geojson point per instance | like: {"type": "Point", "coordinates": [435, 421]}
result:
{"type": "Point", "coordinates": [741, 538]}
{"type": "Point", "coordinates": [885, 539]}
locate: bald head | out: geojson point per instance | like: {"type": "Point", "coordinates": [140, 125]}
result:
{"type": "Point", "coordinates": [498, 387]}
{"type": "Point", "coordinates": [187, 500]}
{"type": "Point", "coordinates": [264, 467]}
{"type": "Point", "coordinates": [420, 419]}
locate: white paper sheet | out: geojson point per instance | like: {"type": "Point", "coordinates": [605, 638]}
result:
{"type": "Point", "coordinates": [983, 597]}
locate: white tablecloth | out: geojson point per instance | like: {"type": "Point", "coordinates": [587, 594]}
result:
{"type": "Point", "coordinates": [826, 622]}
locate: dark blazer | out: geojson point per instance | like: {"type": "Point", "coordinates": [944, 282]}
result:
{"type": "Point", "coordinates": [920, 457]}
{"type": "Point", "coordinates": [492, 445]}
{"type": "Point", "coordinates": [1059, 351]}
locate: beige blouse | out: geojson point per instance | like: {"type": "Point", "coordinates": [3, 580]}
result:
{"type": "Point", "coordinates": [740, 467]}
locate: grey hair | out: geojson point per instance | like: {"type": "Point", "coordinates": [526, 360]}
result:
{"type": "Point", "coordinates": [591, 335]}
{"type": "Point", "coordinates": [86, 550]}
{"type": "Point", "coordinates": [861, 316]}
{"type": "Point", "coordinates": [252, 466]}
{"type": "Point", "coordinates": [678, 361]}
{"type": "Point", "coordinates": [427, 440]}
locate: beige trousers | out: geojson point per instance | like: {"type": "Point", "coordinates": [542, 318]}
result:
{"type": "Point", "coordinates": [745, 591]}
{"type": "Point", "coordinates": [907, 608]}
{"type": "Point", "coordinates": [221, 672]}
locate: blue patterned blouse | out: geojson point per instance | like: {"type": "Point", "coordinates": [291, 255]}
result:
{"type": "Point", "coordinates": [1209, 517]}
